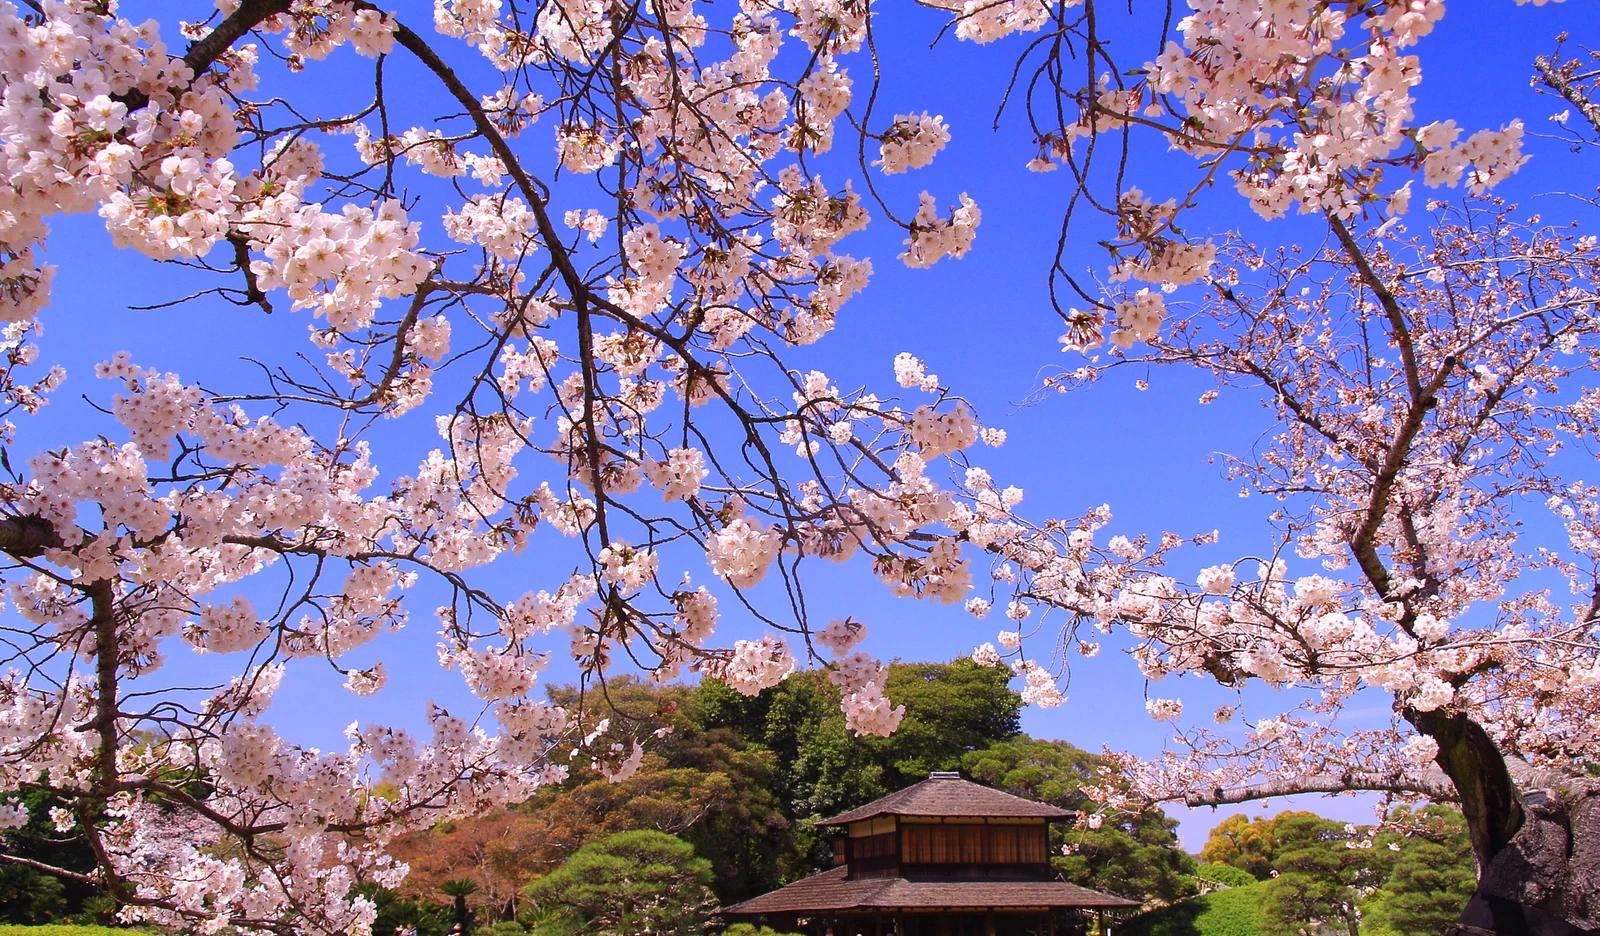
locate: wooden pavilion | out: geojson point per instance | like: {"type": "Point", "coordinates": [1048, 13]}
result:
{"type": "Point", "coordinates": [945, 857]}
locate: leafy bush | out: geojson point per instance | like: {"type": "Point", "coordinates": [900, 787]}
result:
{"type": "Point", "coordinates": [1231, 912]}
{"type": "Point", "coordinates": [750, 929]}
{"type": "Point", "coordinates": [1226, 875]}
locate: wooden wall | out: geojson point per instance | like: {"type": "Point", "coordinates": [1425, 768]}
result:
{"type": "Point", "coordinates": [974, 844]}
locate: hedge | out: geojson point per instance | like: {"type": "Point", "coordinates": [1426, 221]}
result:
{"type": "Point", "coordinates": [1226, 875]}
{"type": "Point", "coordinates": [1231, 912]}
{"type": "Point", "coordinates": [66, 929]}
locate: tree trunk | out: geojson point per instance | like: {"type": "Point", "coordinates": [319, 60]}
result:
{"type": "Point", "coordinates": [1536, 835]}
{"type": "Point", "coordinates": [1546, 881]}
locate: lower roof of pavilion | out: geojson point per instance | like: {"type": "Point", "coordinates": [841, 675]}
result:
{"type": "Point", "coordinates": [833, 891]}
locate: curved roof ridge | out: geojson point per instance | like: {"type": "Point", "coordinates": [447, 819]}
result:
{"type": "Point", "coordinates": [947, 794]}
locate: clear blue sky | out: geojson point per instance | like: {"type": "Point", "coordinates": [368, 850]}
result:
{"type": "Point", "coordinates": [982, 323]}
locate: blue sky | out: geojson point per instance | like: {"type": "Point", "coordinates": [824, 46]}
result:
{"type": "Point", "coordinates": [982, 323]}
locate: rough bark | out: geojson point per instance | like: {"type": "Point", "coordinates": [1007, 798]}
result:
{"type": "Point", "coordinates": [1536, 834]}
{"type": "Point", "coordinates": [1546, 880]}
{"type": "Point", "coordinates": [1477, 769]}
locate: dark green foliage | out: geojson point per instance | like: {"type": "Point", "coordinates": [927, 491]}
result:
{"type": "Point", "coordinates": [1407, 884]}
{"type": "Point", "coordinates": [1136, 857]}
{"type": "Point", "coordinates": [98, 909]}
{"type": "Point", "coordinates": [1133, 856]}
{"type": "Point", "coordinates": [709, 786]}
{"type": "Point", "coordinates": [821, 768]}
{"type": "Point", "coordinates": [1432, 879]}
{"type": "Point", "coordinates": [631, 884]}
{"type": "Point", "coordinates": [1226, 875]}
{"type": "Point", "coordinates": [952, 709]}
{"type": "Point", "coordinates": [1231, 912]}
{"type": "Point", "coordinates": [1048, 771]}
{"type": "Point", "coordinates": [1319, 875]}
{"type": "Point", "coordinates": [30, 896]}
{"type": "Point", "coordinates": [396, 912]}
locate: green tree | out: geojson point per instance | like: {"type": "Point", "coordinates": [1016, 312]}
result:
{"type": "Point", "coordinates": [821, 768]}
{"type": "Point", "coordinates": [1243, 843]}
{"type": "Point", "coordinates": [1319, 871]}
{"type": "Point", "coordinates": [1432, 878]}
{"type": "Point", "coordinates": [952, 709]}
{"type": "Point", "coordinates": [703, 783]}
{"type": "Point", "coordinates": [1134, 856]}
{"type": "Point", "coordinates": [638, 883]}
{"type": "Point", "coordinates": [29, 896]}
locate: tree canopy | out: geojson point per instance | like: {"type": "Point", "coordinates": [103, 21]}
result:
{"type": "Point", "coordinates": [1431, 879]}
{"type": "Point", "coordinates": [638, 883]}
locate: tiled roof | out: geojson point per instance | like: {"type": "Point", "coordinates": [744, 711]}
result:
{"type": "Point", "coordinates": [830, 891]}
{"type": "Point", "coordinates": [946, 794]}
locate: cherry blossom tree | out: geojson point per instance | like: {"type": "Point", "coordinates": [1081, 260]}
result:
{"type": "Point", "coordinates": [1427, 384]}
{"type": "Point", "coordinates": [629, 309]}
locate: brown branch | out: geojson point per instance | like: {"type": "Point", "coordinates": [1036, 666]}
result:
{"type": "Point", "coordinates": [1387, 300]}
{"type": "Point", "coordinates": [103, 599]}
{"type": "Point", "coordinates": [1552, 77]}
{"type": "Point", "coordinates": [207, 49]}
{"type": "Point", "coordinates": [241, 258]}
{"type": "Point", "coordinates": [1433, 784]}
{"type": "Point", "coordinates": [49, 869]}
{"type": "Point", "coordinates": [27, 537]}
{"type": "Point", "coordinates": [1364, 543]}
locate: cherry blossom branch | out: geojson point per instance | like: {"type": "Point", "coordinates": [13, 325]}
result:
{"type": "Point", "coordinates": [1564, 81]}
{"type": "Point", "coordinates": [1435, 785]}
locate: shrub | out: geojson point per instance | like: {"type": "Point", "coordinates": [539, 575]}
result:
{"type": "Point", "coordinates": [1226, 875]}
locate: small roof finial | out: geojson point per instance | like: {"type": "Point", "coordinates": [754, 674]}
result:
{"type": "Point", "coordinates": [945, 775]}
